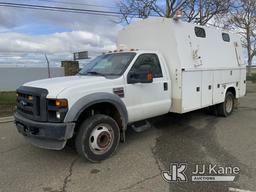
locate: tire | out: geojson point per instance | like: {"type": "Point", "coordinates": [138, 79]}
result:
{"type": "Point", "coordinates": [98, 138]}
{"type": "Point", "coordinates": [227, 107]}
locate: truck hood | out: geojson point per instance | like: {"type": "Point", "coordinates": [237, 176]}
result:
{"type": "Point", "coordinates": [57, 85]}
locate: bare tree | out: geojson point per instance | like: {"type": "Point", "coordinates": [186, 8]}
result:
{"type": "Point", "coordinates": [145, 8]}
{"type": "Point", "coordinates": [172, 6]}
{"type": "Point", "coordinates": [202, 11]}
{"type": "Point", "coordinates": [196, 11]}
{"type": "Point", "coordinates": [243, 19]}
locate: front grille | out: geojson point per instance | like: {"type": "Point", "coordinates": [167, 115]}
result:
{"type": "Point", "coordinates": [28, 104]}
{"type": "Point", "coordinates": [31, 103]}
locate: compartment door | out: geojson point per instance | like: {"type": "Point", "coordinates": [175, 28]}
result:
{"type": "Point", "coordinates": [242, 85]}
{"type": "Point", "coordinates": [191, 90]}
{"type": "Point", "coordinates": [207, 88]}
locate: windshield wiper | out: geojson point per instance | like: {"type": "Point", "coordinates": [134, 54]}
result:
{"type": "Point", "coordinates": [95, 73]}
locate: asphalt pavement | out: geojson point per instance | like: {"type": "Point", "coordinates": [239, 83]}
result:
{"type": "Point", "coordinates": [192, 138]}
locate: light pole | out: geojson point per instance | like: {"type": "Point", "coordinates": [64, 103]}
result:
{"type": "Point", "coordinates": [48, 66]}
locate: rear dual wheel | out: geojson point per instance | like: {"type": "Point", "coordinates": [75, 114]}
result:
{"type": "Point", "coordinates": [227, 107]}
{"type": "Point", "coordinates": [98, 138]}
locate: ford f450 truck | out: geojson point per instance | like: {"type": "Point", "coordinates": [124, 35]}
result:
{"type": "Point", "coordinates": [161, 66]}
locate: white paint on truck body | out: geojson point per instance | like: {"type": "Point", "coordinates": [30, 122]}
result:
{"type": "Point", "coordinates": [201, 69]}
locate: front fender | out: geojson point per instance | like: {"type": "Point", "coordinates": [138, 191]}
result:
{"type": "Point", "coordinates": [83, 103]}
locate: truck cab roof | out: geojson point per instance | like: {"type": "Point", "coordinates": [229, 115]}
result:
{"type": "Point", "coordinates": [138, 51]}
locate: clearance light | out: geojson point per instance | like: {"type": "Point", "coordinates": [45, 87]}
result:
{"type": "Point", "coordinates": [61, 103]}
{"type": "Point", "coordinates": [178, 14]}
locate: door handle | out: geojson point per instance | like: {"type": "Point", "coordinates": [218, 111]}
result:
{"type": "Point", "coordinates": [165, 86]}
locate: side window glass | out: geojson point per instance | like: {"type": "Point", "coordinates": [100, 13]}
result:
{"type": "Point", "coordinates": [225, 37]}
{"type": "Point", "coordinates": [200, 32]}
{"type": "Point", "coordinates": [149, 59]}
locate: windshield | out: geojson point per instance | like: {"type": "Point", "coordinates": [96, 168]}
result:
{"type": "Point", "coordinates": [108, 65]}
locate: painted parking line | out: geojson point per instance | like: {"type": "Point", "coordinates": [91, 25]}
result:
{"type": "Point", "coordinates": [238, 190]}
{"type": "Point", "coordinates": [6, 119]}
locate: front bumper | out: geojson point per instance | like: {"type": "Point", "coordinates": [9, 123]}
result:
{"type": "Point", "coordinates": [44, 134]}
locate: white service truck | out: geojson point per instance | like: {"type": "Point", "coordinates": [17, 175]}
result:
{"type": "Point", "coordinates": [161, 66]}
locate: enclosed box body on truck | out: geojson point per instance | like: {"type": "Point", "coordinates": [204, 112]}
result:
{"type": "Point", "coordinates": [161, 66]}
{"type": "Point", "coordinates": [203, 62]}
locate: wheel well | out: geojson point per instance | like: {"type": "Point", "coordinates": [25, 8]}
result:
{"type": "Point", "coordinates": [232, 90]}
{"type": "Point", "coordinates": [100, 108]}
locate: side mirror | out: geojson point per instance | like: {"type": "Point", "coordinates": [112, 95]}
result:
{"type": "Point", "coordinates": [142, 75]}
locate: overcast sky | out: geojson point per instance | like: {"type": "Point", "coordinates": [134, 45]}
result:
{"type": "Point", "coordinates": [25, 35]}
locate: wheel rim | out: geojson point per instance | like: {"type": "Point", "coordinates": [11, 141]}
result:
{"type": "Point", "coordinates": [229, 104]}
{"type": "Point", "coordinates": [101, 139]}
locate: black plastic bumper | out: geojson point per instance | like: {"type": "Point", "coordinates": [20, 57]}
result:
{"type": "Point", "coordinates": [45, 134]}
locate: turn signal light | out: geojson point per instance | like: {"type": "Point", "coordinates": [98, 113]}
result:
{"type": "Point", "coordinates": [62, 103]}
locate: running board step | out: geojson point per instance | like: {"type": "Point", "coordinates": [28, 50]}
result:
{"type": "Point", "coordinates": [141, 126]}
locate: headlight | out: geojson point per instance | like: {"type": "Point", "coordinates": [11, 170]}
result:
{"type": "Point", "coordinates": [57, 109]}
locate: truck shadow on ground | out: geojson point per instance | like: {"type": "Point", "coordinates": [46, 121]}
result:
{"type": "Point", "coordinates": [191, 138]}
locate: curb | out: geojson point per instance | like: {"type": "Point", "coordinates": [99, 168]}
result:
{"type": "Point", "coordinates": [6, 119]}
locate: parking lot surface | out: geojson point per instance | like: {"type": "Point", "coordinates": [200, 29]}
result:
{"type": "Point", "coordinates": [190, 138]}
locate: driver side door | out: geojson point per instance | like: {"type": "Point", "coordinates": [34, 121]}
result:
{"type": "Point", "coordinates": [145, 100]}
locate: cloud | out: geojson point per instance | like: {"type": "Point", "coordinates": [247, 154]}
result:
{"type": "Point", "coordinates": [7, 20]}
{"type": "Point", "coordinates": [54, 43]}
{"type": "Point", "coordinates": [25, 35]}
{"type": "Point", "coordinates": [21, 49]}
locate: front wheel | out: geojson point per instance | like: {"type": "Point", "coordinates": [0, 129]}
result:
{"type": "Point", "coordinates": [98, 138]}
{"type": "Point", "coordinates": [227, 107]}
